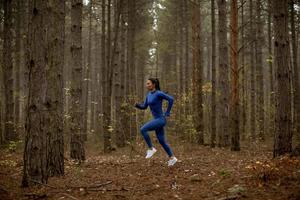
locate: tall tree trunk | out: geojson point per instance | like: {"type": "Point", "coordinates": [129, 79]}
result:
{"type": "Point", "coordinates": [296, 82]}
{"type": "Point", "coordinates": [107, 87]}
{"type": "Point", "coordinates": [116, 73]}
{"type": "Point", "coordinates": [197, 71]}
{"type": "Point", "coordinates": [181, 58]}
{"type": "Point", "coordinates": [123, 120]}
{"type": "Point", "coordinates": [103, 68]}
{"type": "Point", "coordinates": [126, 105]}
{"type": "Point", "coordinates": [213, 75]}
{"type": "Point", "coordinates": [187, 64]}
{"type": "Point", "coordinates": [131, 62]}
{"type": "Point", "coordinates": [94, 80]}
{"type": "Point", "coordinates": [9, 129]}
{"type": "Point", "coordinates": [125, 108]}
{"type": "Point", "coordinates": [87, 78]}
{"type": "Point", "coordinates": [175, 59]}
{"type": "Point", "coordinates": [244, 75]}
{"type": "Point", "coordinates": [18, 52]}
{"type": "Point", "coordinates": [223, 74]}
{"type": "Point", "coordinates": [24, 72]}
{"type": "Point", "coordinates": [234, 103]}
{"type": "Point", "coordinates": [283, 129]}
{"type": "Point", "coordinates": [35, 149]}
{"type": "Point", "coordinates": [76, 110]}
{"type": "Point", "coordinates": [54, 98]}
{"type": "Point", "coordinates": [2, 139]}
{"type": "Point", "coordinates": [259, 71]}
{"type": "Point", "coordinates": [180, 66]}
{"type": "Point", "coordinates": [252, 78]}
{"type": "Point", "coordinates": [271, 74]}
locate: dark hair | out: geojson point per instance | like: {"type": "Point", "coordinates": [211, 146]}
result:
{"type": "Point", "coordinates": [155, 81]}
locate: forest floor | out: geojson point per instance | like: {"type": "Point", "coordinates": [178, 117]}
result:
{"type": "Point", "coordinates": [201, 173]}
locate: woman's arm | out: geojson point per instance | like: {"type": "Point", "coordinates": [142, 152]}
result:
{"type": "Point", "coordinates": [170, 100]}
{"type": "Point", "coordinates": [142, 106]}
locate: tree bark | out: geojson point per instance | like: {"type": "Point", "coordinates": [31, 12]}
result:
{"type": "Point", "coordinates": [259, 71]}
{"type": "Point", "coordinates": [9, 129]}
{"type": "Point", "coordinates": [94, 77]}
{"type": "Point", "coordinates": [296, 82]}
{"type": "Point", "coordinates": [198, 73]}
{"type": "Point", "coordinates": [243, 80]}
{"type": "Point", "coordinates": [18, 52]}
{"type": "Point", "coordinates": [224, 76]}
{"type": "Point", "coordinates": [271, 73]}
{"type": "Point", "coordinates": [131, 63]}
{"type": "Point", "coordinates": [181, 60]}
{"type": "Point", "coordinates": [54, 95]}
{"type": "Point", "coordinates": [107, 87]}
{"type": "Point", "coordinates": [76, 110]}
{"type": "Point", "coordinates": [116, 73]}
{"type": "Point", "coordinates": [283, 129]}
{"type": "Point", "coordinates": [123, 120]}
{"type": "Point", "coordinates": [35, 149]}
{"type": "Point", "coordinates": [88, 74]}
{"type": "Point", "coordinates": [213, 75]}
{"type": "Point", "coordinates": [187, 65]}
{"type": "Point", "coordinates": [234, 103]}
{"type": "Point", "coordinates": [252, 70]}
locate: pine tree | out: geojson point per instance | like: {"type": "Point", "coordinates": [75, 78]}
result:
{"type": "Point", "coordinates": [283, 129]}
{"type": "Point", "coordinates": [76, 110]}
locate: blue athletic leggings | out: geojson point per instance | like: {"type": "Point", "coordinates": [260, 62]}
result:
{"type": "Point", "coordinates": [156, 125]}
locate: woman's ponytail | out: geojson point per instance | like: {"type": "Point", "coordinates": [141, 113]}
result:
{"type": "Point", "coordinates": [155, 81]}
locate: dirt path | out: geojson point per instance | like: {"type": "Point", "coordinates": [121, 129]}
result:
{"type": "Point", "coordinates": [201, 173]}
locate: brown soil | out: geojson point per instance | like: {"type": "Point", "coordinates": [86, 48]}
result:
{"type": "Point", "coordinates": [201, 173]}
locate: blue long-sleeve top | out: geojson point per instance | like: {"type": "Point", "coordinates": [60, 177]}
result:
{"type": "Point", "coordinates": [154, 100]}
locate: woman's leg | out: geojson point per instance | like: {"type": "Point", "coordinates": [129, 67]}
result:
{"type": "Point", "coordinates": [150, 126]}
{"type": "Point", "coordinates": [160, 134]}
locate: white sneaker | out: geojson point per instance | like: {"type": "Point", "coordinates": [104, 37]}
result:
{"type": "Point", "coordinates": [150, 152]}
{"type": "Point", "coordinates": [172, 161]}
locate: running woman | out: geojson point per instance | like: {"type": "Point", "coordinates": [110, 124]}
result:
{"type": "Point", "coordinates": [154, 99]}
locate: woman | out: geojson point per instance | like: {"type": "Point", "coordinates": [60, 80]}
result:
{"type": "Point", "coordinates": [154, 99]}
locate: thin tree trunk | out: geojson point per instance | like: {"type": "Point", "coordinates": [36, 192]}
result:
{"type": "Point", "coordinates": [123, 120]}
{"type": "Point", "coordinates": [9, 129]}
{"type": "Point", "coordinates": [197, 71]}
{"type": "Point", "coordinates": [296, 87]}
{"type": "Point", "coordinates": [186, 33]}
{"type": "Point", "coordinates": [234, 103]}
{"type": "Point", "coordinates": [107, 128]}
{"type": "Point", "coordinates": [125, 80]}
{"type": "Point", "coordinates": [181, 56]}
{"type": "Point", "coordinates": [2, 137]}
{"type": "Point", "coordinates": [213, 75]}
{"type": "Point", "coordinates": [103, 67]}
{"type": "Point", "coordinates": [94, 81]}
{"type": "Point", "coordinates": [224, 76]}
{"type": "Point", "coordinates": [131, 62]}
{"type": "Point", "coordinates": [116, 73]}
{"type": "Point", "coordinates": [244, 76]}
{"type": "Point", "coordinates": [259, 71]}
{"type": "Point", "coordinates": [252, 78]}
{"type": "Point", "coordinates": [271, 76]}
{"type": "Point", "coordinates": [18, 51]}
{"type": "Point", "coordinates": [87, 78]}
